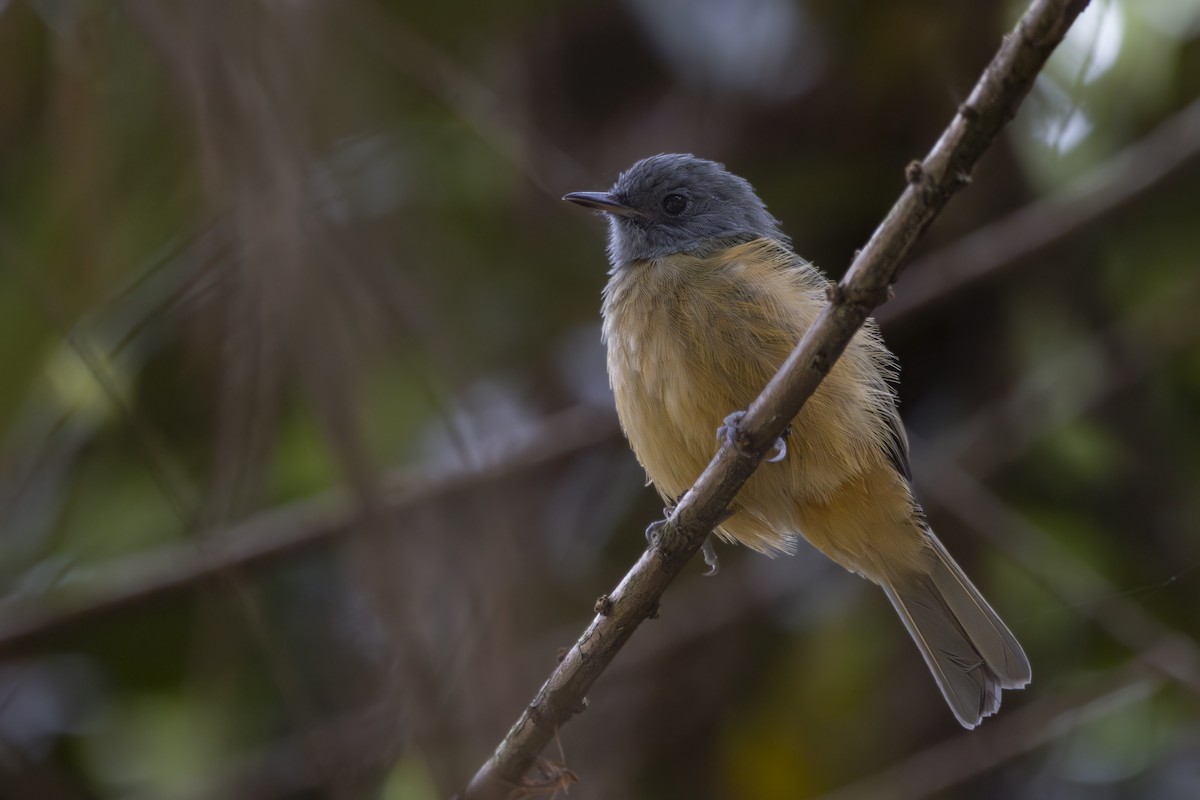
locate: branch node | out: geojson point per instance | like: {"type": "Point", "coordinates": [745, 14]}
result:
{"type": "Point", "coordinates": [968, 112]}
{"type": "Point", "coordinates": [914, 173]}
{"type": "Point", "coordinates": [603, 606]}
{"type": "Point", "coordinates": [653, 612]}
{"type": "Point", "coordinates": [548, 713]}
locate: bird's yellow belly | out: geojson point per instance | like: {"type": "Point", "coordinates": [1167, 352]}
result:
{"type": "Point", "coordinates": [672, 399]}
{"type": "Point", "coordinates": [679, 365]}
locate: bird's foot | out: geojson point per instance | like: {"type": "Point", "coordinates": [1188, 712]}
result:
{"type": "Point", "coordinates": [729, 432]}
{"type": "Point", "coordinates": [779, 451]}
{"type": "Point", "coordinates": [654, 533]}
{"type": "Point", "coordinates": [654, 529]}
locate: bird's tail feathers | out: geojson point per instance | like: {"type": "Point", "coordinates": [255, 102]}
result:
{"type": "Point", "coordinates": [969, 649]}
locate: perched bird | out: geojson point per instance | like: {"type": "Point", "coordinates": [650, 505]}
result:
{"type": "Point", "coordinates": [706, 300]}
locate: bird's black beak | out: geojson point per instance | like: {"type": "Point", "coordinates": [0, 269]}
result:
{"type": "Point", "coordinates": [602, 201]}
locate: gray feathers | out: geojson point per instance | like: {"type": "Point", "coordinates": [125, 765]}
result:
{"type": "Point", "coordinates": [970, 651]}
{"type": "Point", "coordinates": [715, 205]}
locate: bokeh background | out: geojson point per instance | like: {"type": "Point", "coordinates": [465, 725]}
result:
{"type": "Point", "coordinates": [309, 466]}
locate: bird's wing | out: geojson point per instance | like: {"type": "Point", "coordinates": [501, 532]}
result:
{"type": "Point", "coordinates": [897, 446]}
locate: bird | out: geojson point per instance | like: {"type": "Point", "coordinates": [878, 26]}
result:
{"type": "Point", "coordinates": [705, 300]}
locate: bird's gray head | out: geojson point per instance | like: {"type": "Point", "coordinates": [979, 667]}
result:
{"type": "Point", "coordinates": [674, 203]}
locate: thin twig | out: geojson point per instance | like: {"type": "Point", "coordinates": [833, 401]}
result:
{"type": "Point", "coordinates": [947, 168]}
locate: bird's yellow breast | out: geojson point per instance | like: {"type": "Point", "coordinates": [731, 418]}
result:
{"type": "Point", "coordinates": [691, 339]}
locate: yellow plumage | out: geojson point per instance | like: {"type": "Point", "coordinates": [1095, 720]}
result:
{"type": "Point", "coordinates": [691, 339]}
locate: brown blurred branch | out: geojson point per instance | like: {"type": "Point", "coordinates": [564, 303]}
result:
{"type": "Point", "coordinates": [285, 531]}
{"type": "Point", "coordinates": [967, 755]}
{"type": "Point", "coordinates": [1040, 224]}
{"type": "Point", "coordinates": [946, 169]}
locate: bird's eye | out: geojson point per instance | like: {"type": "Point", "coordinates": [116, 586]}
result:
{"type": "Point", "coordinates": [674, 204]}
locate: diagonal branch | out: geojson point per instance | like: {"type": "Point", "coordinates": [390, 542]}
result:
{"type": "Point", "coordinates": [947, 168]}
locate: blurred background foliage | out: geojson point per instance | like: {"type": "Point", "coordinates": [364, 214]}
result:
{"type": "Point", "coordinates": [309, 464]}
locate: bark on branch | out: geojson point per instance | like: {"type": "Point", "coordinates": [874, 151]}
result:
{"type": "Point", "coordinates": [931, 183]}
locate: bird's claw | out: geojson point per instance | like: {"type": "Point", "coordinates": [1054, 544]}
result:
{"type": "Point", "coordinates": [728, 434]}
{"type": "Point", "coordinates": [710, 557]}
{"type": "Point", "coordinates": [654, 531]}
{"type": "Point", "coordinates": [778, 452]}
